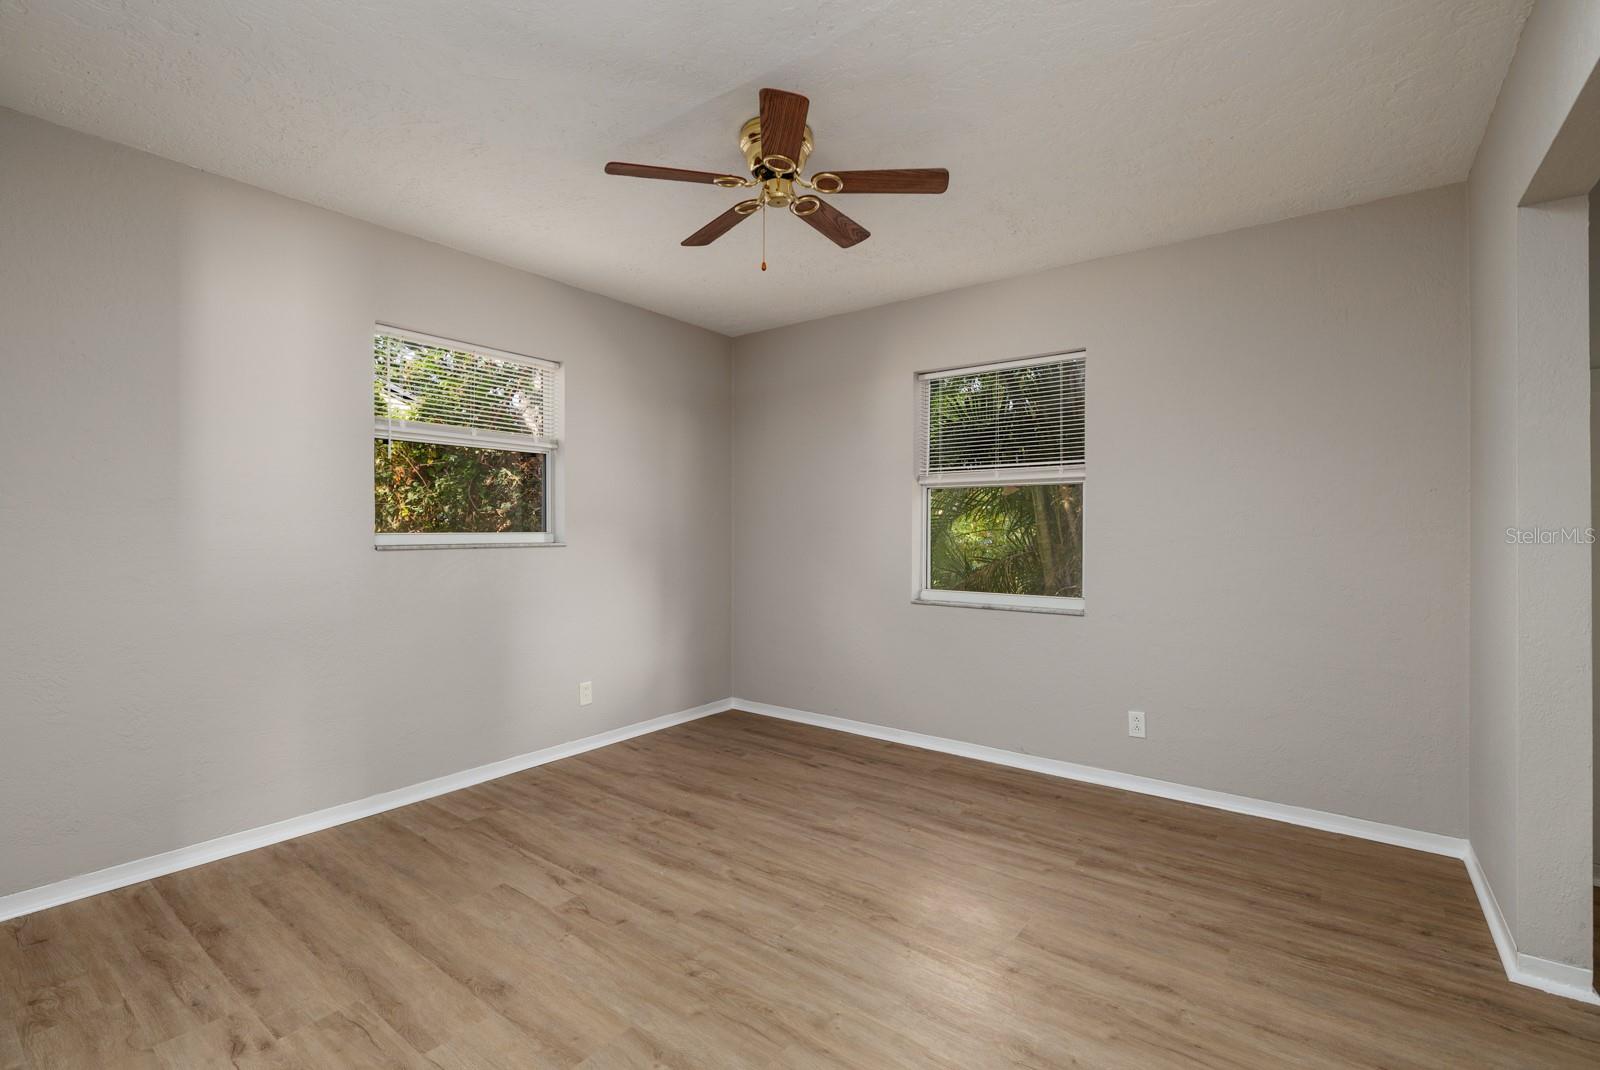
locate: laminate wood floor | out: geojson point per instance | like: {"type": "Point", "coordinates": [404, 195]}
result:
{"type": "Point", "coordinates": [745, 892]}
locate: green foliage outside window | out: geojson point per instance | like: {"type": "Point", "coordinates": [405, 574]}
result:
{"type": "Point", "coordinates": [427, 487]}
{"type": "Point", "coordinates": [1007, 540]}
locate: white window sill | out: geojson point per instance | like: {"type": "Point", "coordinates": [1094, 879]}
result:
{"type": "Point", "coordinates": [1015, 603]}
{"type": "Point", "coordinates": [462, 541]}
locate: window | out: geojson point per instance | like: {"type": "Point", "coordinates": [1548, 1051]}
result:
{"type": "Point", "coordinates": [1000, 485]}
{"type": "Point", "coordinates": [465, 443]}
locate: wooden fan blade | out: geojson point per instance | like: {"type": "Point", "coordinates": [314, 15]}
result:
{"type": "Point", "coordinates": [902, 180]}
{"type": "Point", "coordinates": [719, 226]}
{"type": "Point", "coordinates": [836, 226]}
{"type": "Point", "coordinates": [783, 123]}
{"type": "Point", "coordinates": [671, 174]}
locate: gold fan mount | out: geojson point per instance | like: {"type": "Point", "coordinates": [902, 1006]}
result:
{"type": "Point", "coordinates": [778, 175]}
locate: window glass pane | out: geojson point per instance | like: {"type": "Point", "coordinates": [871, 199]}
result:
{"type": "Point", "coordinates": [430, 487]}
{"type": "Point", "coordinates": [1007, 540]}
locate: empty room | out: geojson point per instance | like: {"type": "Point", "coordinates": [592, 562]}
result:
{"type": "Point", "coordinates": [893, 535]}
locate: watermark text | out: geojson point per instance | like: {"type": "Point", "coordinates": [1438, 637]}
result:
{"type": "Point", "coordinates": [1550, 536]}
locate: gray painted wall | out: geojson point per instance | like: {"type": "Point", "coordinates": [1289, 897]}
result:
{"type": "Point", "coordinates": [1530, 786]}
{"type": "Point", "coordinates": [198, 637]}
{"type": "Point", "coordinates": [1276, 517]}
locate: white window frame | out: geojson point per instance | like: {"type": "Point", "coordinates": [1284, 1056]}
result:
{"type": "Point", "coordinates": [554, 471]}
{"type": "Point", "coordinates": [923, 592]}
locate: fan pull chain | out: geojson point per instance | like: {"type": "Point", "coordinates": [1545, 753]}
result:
{"type": "Point", "coordinates": [763, 235]}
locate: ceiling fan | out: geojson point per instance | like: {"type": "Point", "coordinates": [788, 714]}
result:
{"type": "Point", "coordinates": [775, 146]}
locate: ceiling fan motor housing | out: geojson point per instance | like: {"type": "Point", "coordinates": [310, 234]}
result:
{"type": "Point", "coordinates": [761, 166]}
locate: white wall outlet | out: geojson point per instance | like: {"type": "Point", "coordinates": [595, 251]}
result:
{"type": "Point", "coordinates": [586, 693]}
{"type": "Point", "coordinates": [1136, 724]}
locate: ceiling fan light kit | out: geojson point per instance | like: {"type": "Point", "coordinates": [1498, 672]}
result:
{"type": "Point", "coordinates": [776, 145]}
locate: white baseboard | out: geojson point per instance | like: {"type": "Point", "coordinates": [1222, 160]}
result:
{"type": "Point", "coordinates": [1503, 942]}
{"type": "Point", "coordinates": [1431, 842]}
{"type": "Point", "coordinates": [143, 869]}
{"type": "Point", "coordinates": [1555, 978]}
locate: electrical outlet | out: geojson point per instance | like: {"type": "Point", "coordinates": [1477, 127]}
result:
{"type": "Point", "coordinates": [586, 693]}
{"type": "Point", "coordinates": [1136, 724]}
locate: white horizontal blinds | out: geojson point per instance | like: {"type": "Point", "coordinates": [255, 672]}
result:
{"type": "Point", "coordinates": [1004, 421]}
{"type": "Point", "coordinates": [435, 390]}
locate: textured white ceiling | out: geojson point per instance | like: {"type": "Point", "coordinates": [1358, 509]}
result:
{"type": "Point", "coordinates": [1071, 129]}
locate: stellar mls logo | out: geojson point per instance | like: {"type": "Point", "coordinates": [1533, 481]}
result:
{"type": "Point", "coordinates": [1550, 536]}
